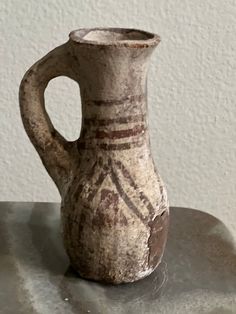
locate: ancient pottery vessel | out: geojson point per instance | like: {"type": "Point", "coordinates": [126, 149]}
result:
{"type": "Point", "coordinates": [114, 205]}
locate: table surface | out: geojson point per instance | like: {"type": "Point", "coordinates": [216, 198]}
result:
{"type": "Point", "coordinates": [197, 275]}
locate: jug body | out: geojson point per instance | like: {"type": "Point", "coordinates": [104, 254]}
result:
{"type": "Point", "coordinates": [115, 216]}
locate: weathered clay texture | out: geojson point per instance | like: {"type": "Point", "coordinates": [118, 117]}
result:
{"type": "Point", "coordinates": [114, 205]}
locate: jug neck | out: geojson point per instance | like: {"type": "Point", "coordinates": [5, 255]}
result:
{"type": "Point", "coordinates": [111, 68]}
{"type": "Point", "coordinates": [115, 125]}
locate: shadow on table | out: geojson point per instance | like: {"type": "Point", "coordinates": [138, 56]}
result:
{"type": "Point", "coordinates": [200, 254]}
{"type": "Point", "coordinates": [199, 246]}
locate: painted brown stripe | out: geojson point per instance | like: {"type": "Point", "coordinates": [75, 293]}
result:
{"type": "Point", "coordinates": [96, 186]}
{"type": "Point", "coordinates": [105, 146]}
{"type": "Point", "coordinates": [126, 198]}
{"type": "Point", "coordinates": [139, 129]}
{"type": "Point", "coordinates": [78, 192]}
{"type": "Point", "coordinates": [116, 102]}
{"type": "Point", "coordinates": [92, 170]}
{"type": "Point", "coordinates": [132, 183]}
{"type": "Point", "coordinates": [121, 120]}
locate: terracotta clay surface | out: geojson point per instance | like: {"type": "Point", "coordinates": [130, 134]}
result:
{"type": "Point", "coordinates": [114, 205]}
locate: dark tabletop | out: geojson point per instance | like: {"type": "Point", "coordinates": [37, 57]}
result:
{"type": "Point", "coordinates": [197, 275]}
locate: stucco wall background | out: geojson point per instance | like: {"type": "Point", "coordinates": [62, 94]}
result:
{"type": "Point", "coordinates": [192, 93]}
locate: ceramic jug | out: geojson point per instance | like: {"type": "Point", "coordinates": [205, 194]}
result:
{"type": "Point", "coordinates": [114, 207]}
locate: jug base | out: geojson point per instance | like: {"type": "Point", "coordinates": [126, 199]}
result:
{"type": "Point", "coordinates": [116, 281]}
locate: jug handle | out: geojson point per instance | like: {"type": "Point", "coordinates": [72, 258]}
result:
{"type": "Point", "coordinates": [54, 150]}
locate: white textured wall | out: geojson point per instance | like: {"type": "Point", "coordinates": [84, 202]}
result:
{"type": "Point", "coordinates": [191, 93]}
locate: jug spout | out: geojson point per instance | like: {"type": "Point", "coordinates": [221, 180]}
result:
{"type": "Point", "coordinates": [112, 63]}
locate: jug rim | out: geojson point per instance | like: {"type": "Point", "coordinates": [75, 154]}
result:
{"type": "Point", "coordinates": [114, 36]}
